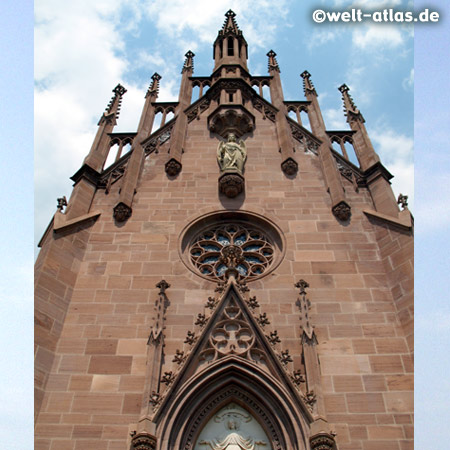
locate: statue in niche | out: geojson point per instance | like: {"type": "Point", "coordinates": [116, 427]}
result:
{"type": "Point", "coordinates": [231, 155]}
{"type": "Point", "coordinates": [233, 439]}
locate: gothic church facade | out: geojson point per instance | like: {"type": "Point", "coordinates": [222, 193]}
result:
{"type": "Point", "coordinates": [232, 282]}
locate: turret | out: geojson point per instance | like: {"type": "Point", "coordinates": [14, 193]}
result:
{"type": "Point", "coordinates": [230, 47]}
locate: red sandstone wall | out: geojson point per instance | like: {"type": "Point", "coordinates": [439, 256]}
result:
{"type": "Point", "coordinates": [93, 394]}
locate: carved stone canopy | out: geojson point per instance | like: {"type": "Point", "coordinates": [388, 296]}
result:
{"type": "Point", "coordinates": [228, 119]}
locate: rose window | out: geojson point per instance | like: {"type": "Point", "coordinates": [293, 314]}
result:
{"type": "Point", "coordinates": [221, 249]}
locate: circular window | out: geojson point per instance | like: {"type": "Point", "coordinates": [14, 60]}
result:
{"type": "Point", "coordinates": [245, 244]}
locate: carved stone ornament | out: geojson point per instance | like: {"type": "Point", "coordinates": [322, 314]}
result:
{"type": "Point", "coordinates": [173, 167]}
{"type": "Point", "coordinates": [402, 200]}
{"type": "Point", "coordinates": [342, 211]}
{"type": "Point", "coordinates": [231, 119]}
{"type": "Point", "coordinates": [322, 441]}
{"type": "Point", "coordinates": [122, 212]}
{"type": "Point", "coordinates": [232, 335]}
{"type": "Point", "coordinates": [143, 441]}
{"type": "Point", "coordinates": [231, 184]}
{"type": "Point", "coordinates": [289, 167]}
{"type": "Point", "coordinates": [62, 201]}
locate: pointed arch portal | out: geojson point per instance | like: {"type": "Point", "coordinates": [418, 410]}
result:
{"type": "Point", "coordinates": [206, 387]}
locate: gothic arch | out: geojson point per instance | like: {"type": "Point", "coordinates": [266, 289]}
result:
{"type": "Point", "coordinates": [233, 379]}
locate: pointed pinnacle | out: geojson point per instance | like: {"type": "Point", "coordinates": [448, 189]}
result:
{"type": "Point", "coordinates": [230, 24]}
{"type": "Point", "coordinates": [163, 285]}
{"type": "Point", "coordinates": [154, 86]}
{"type": "Point", "coordinates": [273, 63]}
{"type": "Point", "coordinates": [349, 104]}
{"type": "Point", "coordinates": [119, 90]}
{"type": "Point", "coordinates": [308, 86]}
{"type": "Point", "coordinates": [189, 61]}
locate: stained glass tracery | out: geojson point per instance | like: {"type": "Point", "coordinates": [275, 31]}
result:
{"type": "Point", "coordinates": [243, 248]}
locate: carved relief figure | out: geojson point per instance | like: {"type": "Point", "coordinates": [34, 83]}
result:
{"type": "Point", "coordinates": [233, 439]}
{"type": "Point", "coordinates": [231, 155]}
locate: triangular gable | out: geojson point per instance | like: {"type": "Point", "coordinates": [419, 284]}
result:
{"type": "Point", "coordinates": [233, 332]}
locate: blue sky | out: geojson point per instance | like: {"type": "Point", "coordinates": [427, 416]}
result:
{"type": "Point", "coordinates": [83, 48]}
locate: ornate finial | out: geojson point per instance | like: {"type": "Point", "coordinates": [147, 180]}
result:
{"type": "Point", "coordinates": [113, 107]}
{"type": "Point", "coordinates": [402, 200]}
{"type": "Point", "coordinates": [62, 201]}
{"type": "Point", "coordinates": [304, 305]}
{"type": "Point", "coordinates": [163, 285]}
{"type": "Point", "coordinates": [119, 90]}
{"type": "Point", "coordinates": [351, 111]}
{"type": "Point", "coordinates": [308, 86]}
{"type": "Point", "coordinates": [154, 87]}
{"type": "Point", "coordinates": [188, 62]}
{"type": "Point", "coordinates": [230, 25]}
{"type": "Point", "coordinates": [302, 285]}
{"type": "Point", "coordinates": [273, 63]}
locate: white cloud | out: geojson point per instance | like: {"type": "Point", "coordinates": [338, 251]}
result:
{"type": "Point", "coordinates": [408, 82]}
{"type": "Point", "coordinates": [377, 36]}
{"type": "Point", "coordinates": [178, 17]}
{"type": "Point", "coordinates": [335, 119]}
{"type": "Point", "coordinates": [396, 153]}
{"type": "Point", "coordinates": [321, 37]}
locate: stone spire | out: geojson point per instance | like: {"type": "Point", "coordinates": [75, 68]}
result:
{"type": "Point", "coordinates": [123, 208]}
{"type": "Point", "coordinates": [85, 184]}
{"type": "Point", "coordinates": [230, 25]}
{"type": "Point", "coordinates": [153, 89]}
{"type": "Point", "coordinates": [308, 86]}
{"type": "Point", "coordinates": [351, 111]}
{"type": "Point", "coordinates": [230, 47]}
{"type": "Point", "coordinates": [113, 108]}
{"type": "Point", "coordinates": [340, 208]}
{"type": "Point", "coordinates": [377, 175]}
{"type": "Point", "coordinates": [286, 145]}
{"type": "Point", "coordinates": [173, 165]}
